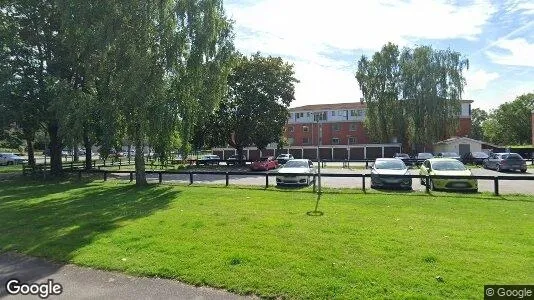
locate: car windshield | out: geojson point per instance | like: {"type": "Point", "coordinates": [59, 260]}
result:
{"type": "Point", "coordinates": [402, 155]}
{"type": "Point", "coordinates": [283, 155]}
{"type": "Point", "coordinates": [512, 156]}
{"type": "Point", "coordinates": [425, 155]}
{"type": "Point", "coordinates": [448, 166]}
{"type": "Point", "coordinates": [296, 164]}
{"type": "Point", "coordinates": [390, 165]}
{"type": "Point", "coordinates": [449, 154]}
{"type": "Point", "coordinates": [480, 155]}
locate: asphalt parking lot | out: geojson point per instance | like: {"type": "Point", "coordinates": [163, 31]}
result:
{"type": "Point", "coordinates": [505, 186]}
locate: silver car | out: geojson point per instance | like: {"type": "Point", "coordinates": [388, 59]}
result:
{"type": "Point", "coordinates": [287, 173]}
{"type": "Point", "coordinates": [383, 168]}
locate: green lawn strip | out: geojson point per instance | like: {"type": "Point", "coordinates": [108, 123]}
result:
{"type": "Point", "coordinates": [248, 240]}
{"type": "Point", "coordinates": [11, 169]}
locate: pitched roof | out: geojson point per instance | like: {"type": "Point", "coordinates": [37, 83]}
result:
{"type": "Point", "coordinates": [453, 139]}
{"type": "Point", "coordinates": [331, 106]}
{"type": "Point", "coordinates": [340, 106]}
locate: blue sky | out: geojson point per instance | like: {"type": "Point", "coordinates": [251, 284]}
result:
{"type": "Point", "coordinates": [324, 40]}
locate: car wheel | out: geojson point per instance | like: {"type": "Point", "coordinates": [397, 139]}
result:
{"type": "Point", "coordinates": [9, 163]}
{"type": "Point", "coordinates": [498, 168]}
{"type": "Point", "coordinates": [432, 187]}
{"type": "Point", "coordinates": [422, 181]}
{"type": "Point", "coordinates": [523, 170]}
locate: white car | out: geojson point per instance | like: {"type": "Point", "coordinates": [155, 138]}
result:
{"type": "Point", "coordinates": [286, 174]}
{"type": "Point", "coordinates": [10, 159]}
{"type": "Point", "coordinates": [283, 158]}
{"type": "Point", "coordinates": [383, 168]}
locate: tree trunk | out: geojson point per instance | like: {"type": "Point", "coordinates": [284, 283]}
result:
{"type": "Point", "coordinates": [31, 154]}
{"type": "Point", "coordinates": [140, 175]}
{"type": "Point", "coordinates": [88, 153]}
{"type": "Point", "coordinates": [75, 154]}
{"type": "Point", "coordinates": [55, 149]}
{"type": "Point", "coordinates": [240, 155]}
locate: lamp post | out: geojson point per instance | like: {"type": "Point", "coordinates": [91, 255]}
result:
{"type": "Point", "coordinates": [317, 118]}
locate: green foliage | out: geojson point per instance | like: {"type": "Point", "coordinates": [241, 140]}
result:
{"type": "Point", "coordinates": [412, 94]}
{"type": "Point", "coordinates": [511, 123]}
{"type": "Point", "coordinates": [478, 117]}
{"type": "Point", "coordinates": [256, 108]}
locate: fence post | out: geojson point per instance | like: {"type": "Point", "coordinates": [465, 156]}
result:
{"type": "Point", "coordinates": [190, 177]}
{"type": "Point", "coordinates": [427, 183]}
{"type": "Point", "coordinates": [71, 165]}
{"type": "Point", "coordinates": [496, 185]}
{"type": "Point", "coordinates": [105, 176]}
{"type": "Point", "coordinates": [79, 175]}
{"type": "Point", "coordinates": [267, 180]}
{"type": "Point", "coordinates": [120, 164]}
{"type": "Point", "coordinates": [367, 164]}
{"type": "Point", "coordinates": [160, 177]}
{"type": "Point", "coordinates": [131, 176]}
{"type": "Point", "coordinates": [314, 182]}
{"type": "Point", "coordinates": [23, 169]}
{"type": "Point", "coordinates": [94, 164]}
{"type": "Point", "coordinates": [227, 178]}
{"type": "Point", "coordinates": [363, 183]}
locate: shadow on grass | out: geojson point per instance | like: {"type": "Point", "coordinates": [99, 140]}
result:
{"type": "Point", "coordinates": [55, 220]}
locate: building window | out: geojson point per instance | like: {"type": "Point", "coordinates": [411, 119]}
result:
{"type": "Point", "coordinates": [340, 113]}
{"type": "Point", "coordinates": [291, 129]}
{"type": "Point", "coordinates": [333, 113]}
{"type": "Point", "coordinates": [352, 140]}
{"type": "Point", "coordinates": [305, 129]}
{"type": "Point", "coordinates": [353, 113]}
{"type": "Point", "coordinates": [308, 114]}
{"type": "Point", "coordinates": [335, 127]}
{"type": "Point", "coordinates": [305, 140]}
{"type": "Point", "coordinates": [335, 141]}
{"type": "Point", "coordinates": [353, 127]}
{"type": "Point", "coordinates": [297, 115]}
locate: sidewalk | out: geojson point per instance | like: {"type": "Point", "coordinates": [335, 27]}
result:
{"type": "Point", "coordinates": [86, 283]}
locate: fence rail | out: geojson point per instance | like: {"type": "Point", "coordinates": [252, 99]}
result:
{"type": "Point", "coordinates": [227, 175]}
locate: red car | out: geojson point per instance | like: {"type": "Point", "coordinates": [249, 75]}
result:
{"type": "Point", "coordinates": [264, 164]}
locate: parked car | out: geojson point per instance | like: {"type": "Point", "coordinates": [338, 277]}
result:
{"type": "Point", "coordinates": [406, 159]}
{"type": "Point", "coordinates": [390, 166]}
{"type": "Point", "coordinates": [447, 166]}
{"type": "Point", "coordinates": [283, 158]}
{"type": "Point", "coordinates": [286, 174]}
{"type": "Point", "coordinates": [421, 157]}
{"type": "Point", "coordinates": [209, 159]}
{"type": "Point", "coordinates": [10, 159]}
{"type": "Point", "coordinates": [474, 158]}
{"type": "Point", "coordinates": [234, 159]}
{"type": "Point", "coordinates": [449, 155]}
{"type": "Point", "coordinates": [265, 163]}
{"type": "Point", "coordinates": [505, 161]}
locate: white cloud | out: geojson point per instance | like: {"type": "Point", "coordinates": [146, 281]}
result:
{"type": "Point", "coordinates": [311, 33]}
{"type": "Point", "coordinates": [478, 80]}
{"type": "Point", "coordinates": [525, 7]}
{"type": "Point", "coordinates": [519, 52]}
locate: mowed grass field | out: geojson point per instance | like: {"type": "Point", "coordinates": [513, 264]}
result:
{"type": "Point", "coordinates": [254, 241]}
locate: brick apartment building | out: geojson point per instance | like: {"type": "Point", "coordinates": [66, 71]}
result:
{"type": "Point", "coordinates": [342, 124]}
{"type": "Point", "coordinates": [340, 136]}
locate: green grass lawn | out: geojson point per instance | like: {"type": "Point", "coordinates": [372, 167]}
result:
{"type": "Point", "coordinates": [249, 240]}
{"type": "Point", "coordinates": [11, 169]}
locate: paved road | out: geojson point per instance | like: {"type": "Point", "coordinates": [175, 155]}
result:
{"type": "Point", "coordinates": [505, 187]}
{"type": "Point", "coordinates": [86, 283]}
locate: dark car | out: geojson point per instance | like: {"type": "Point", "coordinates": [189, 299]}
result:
{"type": "Point", "coordinates": [406, 159]}
{"type": "Point", "coordinates": [234, 159]}
{"type": "Point", "coordinates": [209, 160]}
{"type": "Point", "coordinates": [506, 161]}
{"type": "Point", "coordinates": [449, 155]}
{"type": "Point", "coordinates": [474, 158]}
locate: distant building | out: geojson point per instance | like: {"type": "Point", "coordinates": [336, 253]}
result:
{"type": "Point", "coordinates": [342, 124]}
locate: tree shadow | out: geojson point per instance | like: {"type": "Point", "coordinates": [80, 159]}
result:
{"type": "Point", "coordinates": [55, 220]}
